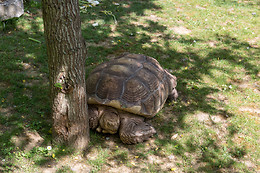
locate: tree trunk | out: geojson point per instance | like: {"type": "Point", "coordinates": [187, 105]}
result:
{"type": "Point", "coordinates": [66, 58]}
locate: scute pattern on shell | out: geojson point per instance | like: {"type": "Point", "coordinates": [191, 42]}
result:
{"type": "Point", "coordinates": [134, 83]}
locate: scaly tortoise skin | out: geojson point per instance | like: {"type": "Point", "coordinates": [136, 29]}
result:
{"type": "Point", "coordinates": [126, 90]}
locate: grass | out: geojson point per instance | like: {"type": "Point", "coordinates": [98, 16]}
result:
{"type": "Point", "coordinates": [211, 46]}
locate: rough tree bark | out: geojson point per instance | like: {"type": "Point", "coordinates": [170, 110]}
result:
{"type": "Point", "coordinates": [66, 59]}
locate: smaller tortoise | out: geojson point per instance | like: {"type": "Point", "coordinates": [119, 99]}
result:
{"type": "Point", "coordinates": [124, 91]}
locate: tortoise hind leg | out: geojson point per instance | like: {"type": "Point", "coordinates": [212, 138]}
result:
{"type": "Point", "coordinates": [133, 129]}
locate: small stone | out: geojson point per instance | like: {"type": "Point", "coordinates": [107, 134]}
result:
{"type": "Point", "coordinates": [171, 157]}
{"type": "Point", "coordinates": [95, 24]}
{"type": "Point", "coordinates": [95, 3]}
{"type": "Point", "coordinates": [132, 163]}
{"type": "Point", "coordinates": [174, 136]}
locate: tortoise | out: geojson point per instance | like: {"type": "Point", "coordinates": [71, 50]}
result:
{"type": "Point", "coordinates": [125, 91]}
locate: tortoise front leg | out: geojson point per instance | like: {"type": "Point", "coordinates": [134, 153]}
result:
{"type": "Point", "coordinates": [94, 116]}
{"type": "Point", "coordinates": [109, 121]}
{"type": "Point", "coordinates": [133, 129]}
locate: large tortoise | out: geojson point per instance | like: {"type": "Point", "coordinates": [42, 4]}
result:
{"type": "Point", "coordinates": [126, 90]}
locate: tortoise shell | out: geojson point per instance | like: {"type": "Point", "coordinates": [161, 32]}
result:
{"type": "Point", "coordinates": [132, 82]}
